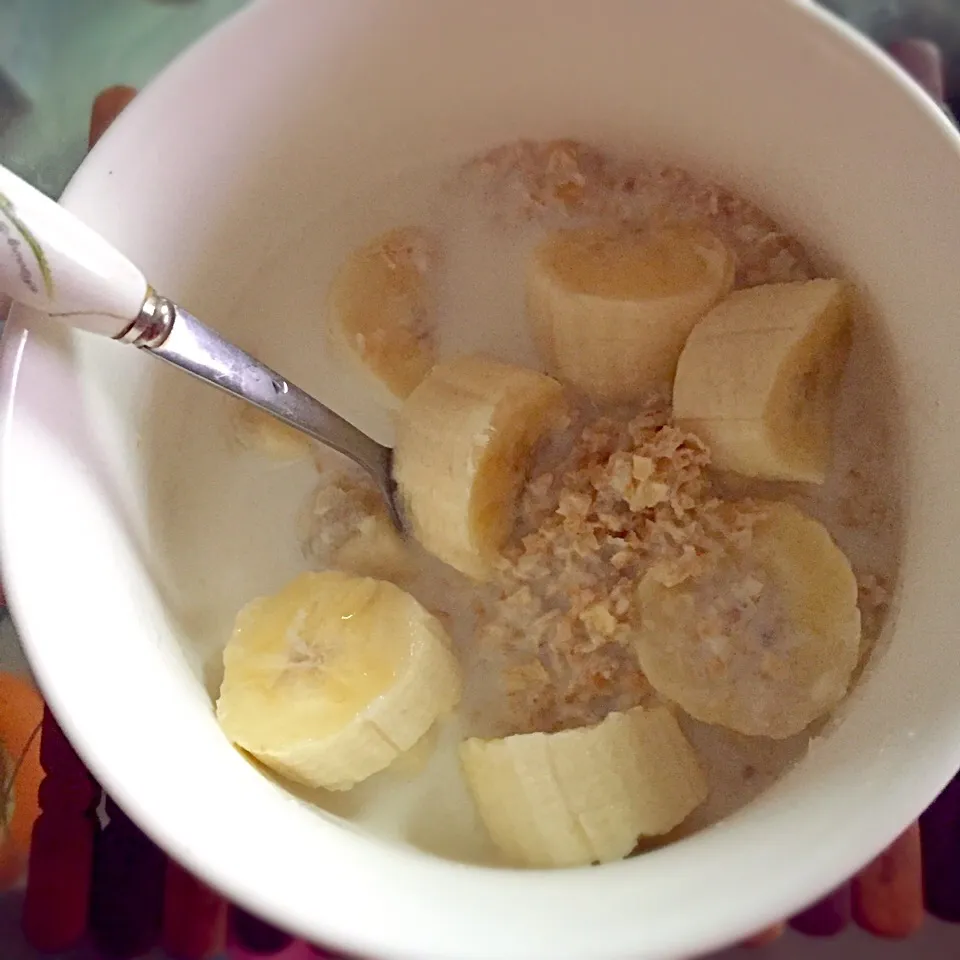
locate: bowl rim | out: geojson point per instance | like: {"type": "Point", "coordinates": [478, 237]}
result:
{"type": "Point", "coordinates": [487, 891]}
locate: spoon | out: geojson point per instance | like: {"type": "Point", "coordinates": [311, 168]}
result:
{"type": "Point", "coordinates": [51, 261]}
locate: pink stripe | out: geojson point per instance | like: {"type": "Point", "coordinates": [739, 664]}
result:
{"type": "Point", "coordinates": [298, 950]}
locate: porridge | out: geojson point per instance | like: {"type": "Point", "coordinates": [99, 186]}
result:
{"type": "Point", "coordinates": [652, 540]}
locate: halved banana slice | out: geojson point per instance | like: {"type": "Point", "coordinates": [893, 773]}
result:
{"type": "Point", "coordinates": [610, 311]}
{"type": "Point", "coordinates": [585, 795]}
{"type": "Point", "coordinates": [329, 680]}
{"type": "Point", "coordinates": [758, 379]}
{"type": "Point", "coordinates": [464, 439]}
{"type": "Point", "coordinates": [765, 643]}
{"type": "Point", "coordinates": [259, 432]}
{"type": "Point", "coordinates": [379, 312]}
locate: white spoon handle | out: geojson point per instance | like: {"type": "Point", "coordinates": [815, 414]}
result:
{"type": "Point", "coordinates": [53, 262]}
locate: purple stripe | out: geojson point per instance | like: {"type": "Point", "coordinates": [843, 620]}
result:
{"type": "Point", "coordinates": [940, 843]}
{"type": "Point", "coordinates": [827, 917]}
{"type": "Point", "coordinates": [255, 935]}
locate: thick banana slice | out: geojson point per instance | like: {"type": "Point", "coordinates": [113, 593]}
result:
{"type": "Point", "coordinates": [610, 312]}
{"type": "Point", "coordinates": [464, 438]}
{"type": "Point", "coordinates": [259, 432]}
{"type": "Point", "coordinates": [585, 795]}
{"type": "Point", "coordinates": [331, 679]}
{"type": "Point", "coordinates": [765, 643]}
{"type": "Point", "coordinates": [379, 312]}
{"type": "Point", "coordinates": [758, 379]}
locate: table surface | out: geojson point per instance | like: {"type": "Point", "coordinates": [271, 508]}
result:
{"type": "Point", "coordinates": [55, 56]}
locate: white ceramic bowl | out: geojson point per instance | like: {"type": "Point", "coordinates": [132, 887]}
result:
{"type": "Point", "coordinates": [279, 116]}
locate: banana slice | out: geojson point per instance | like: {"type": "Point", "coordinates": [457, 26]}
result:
{"type": "Point", "coordinates": [586, 795]}
{"type": "Point", "coordinates": [376, 550]}
{"type": "Point", "coordinates": [610, 312]}
{"type": "Point", "coordinates": [765, 643]}
{"type": "Point", "coordinates": [758, 379]}
{"type": "Point", "coordinates": [331, 679]}
{"type": "Point", "coordinates": [464, 439]}
{"type": "Point", "coordinates": [345, 526]}
{"type": "Point", "coordinates": [380, 308]}
{"type": "Point", "coordinates": [259, 432]}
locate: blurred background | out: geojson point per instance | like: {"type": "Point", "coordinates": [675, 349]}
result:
{"type": "Point", "coordinates": [56, 55]}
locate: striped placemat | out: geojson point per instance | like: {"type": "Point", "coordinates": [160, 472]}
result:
{"type": "Point", "coordinates": [93, 878]}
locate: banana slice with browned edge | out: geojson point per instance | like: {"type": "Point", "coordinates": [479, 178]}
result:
{"type": "Point", "coordinates": [758, 379]}
{"type": "Point", "coordinates": [764, 642]}
{"type": "Point", "coordinates": [380, 312]}
{"type": "Point", "coordinates": [464, 439]}
{"type": "Point", "coordinates": [611, 310]}
{"type": "Point", "coordinates": [328, 681]}
{"type": "Point", "coordinates": [585, 795]}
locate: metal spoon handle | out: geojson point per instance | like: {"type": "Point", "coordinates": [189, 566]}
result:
{"type": "Point", "coordinates": [173, 334]}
